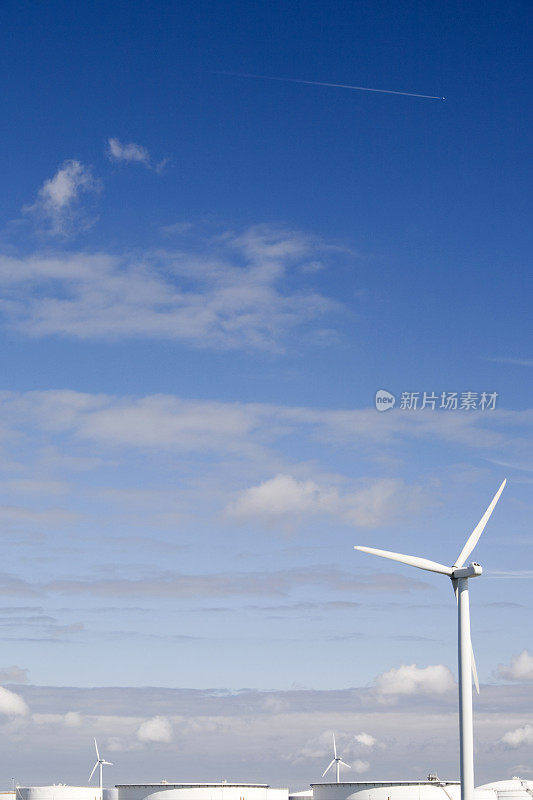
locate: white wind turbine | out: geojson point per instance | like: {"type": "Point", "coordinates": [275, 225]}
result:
{"type": "Point", "coordinates": [459, 576]}
{"type": "Point", "coordinates": [99, 763]}
{"type": "Point", "coordinates": [337, 760]}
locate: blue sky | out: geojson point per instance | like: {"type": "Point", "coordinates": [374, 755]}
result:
{"type": "Point", "coordinates": [205, 279]}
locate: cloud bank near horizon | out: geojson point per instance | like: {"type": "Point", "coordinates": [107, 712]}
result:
{"type": "Point", "coordinates": [283, 737]}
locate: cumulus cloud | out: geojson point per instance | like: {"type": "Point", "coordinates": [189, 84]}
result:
{"type": "Point", "coordinates": [12, 704]}
{"type": "Point", "coordinates": [360, 766]}
{"type": "Point", "coordinates": [410, 679]}
{"type": "Point", "coordinates": [224, 293]}
{"type": "Point", "coordinates": [520, 668]}
{"type": "Point", "coordinates": [116, 151]}
{"type": "Point", "coordinates": [365, 739]}
{"type": "Point", "coordinates": [281, 496]}
{"type": "Point", "coordinates": [519, 736]}
{"type": "Point", "coordinates": [58, 203]}
{"type": "Point", "coordinates": [157, 729]}
{"type": "Point", "coordinates": [284, 498]}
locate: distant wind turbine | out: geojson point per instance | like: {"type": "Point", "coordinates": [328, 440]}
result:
{"type": "Point", "coordinates": [459, 576]}
{"type": "Point", "coordinates": [337, 761]}
{"type": "Point", "coordinates": [99, 763]}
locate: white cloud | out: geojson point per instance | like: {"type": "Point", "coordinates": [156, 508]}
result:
{"type": "Point", "coordinates": [12, 704]}
{"type": "Point", "coordinates": [177, 228]}
{"type": "Point", "coordinates": [231, 295]}
{"type": "Point", "coordinates": [58, 199]}
{"type": "Point", "coordinates": [380, 502]}
{"type": "Point", "coordinates": [275, 705]}
{"type": "Point", "coordinates": [519, 736]}
{"type": "Point", "coordinates": [73, 719]}
{"type": "Point", "coordinates": [46, 517]}
{"type": "Point", "coordinates": [410, 679]}
{"type": "Point", "coordinates": [360, 766]}
{"type": "Point", "coordinates": [233, 728]}
{"type": "Point", "coordinates": [71, 179]}
{"type": "Point", "coordinates": [320, 746]}
{"type": "Point", "coordinates": [222, 584]}
{"type": "Point", "coordinates": [157, 729]}
{"type": "Point", "coordinates": [283, 497]}
{"type": "Point", "coordinates": [366, 739]}
{"type": "Point", "coordinates": [172, 421]}
{"type": "Point", "coordinates": [127, 152]}
{"type": "Point", "coordinates": [520, 668]}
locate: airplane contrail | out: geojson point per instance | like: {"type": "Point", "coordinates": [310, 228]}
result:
{"type": "Point", "coordinates": [322, 83]}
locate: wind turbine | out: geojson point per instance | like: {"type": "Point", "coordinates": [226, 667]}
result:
{"type": "Point", "coordinates": [337, 760]}
{"type": "Point", "coordinates": [459, 575]}
{"type": "Point", "coordinates": [99, 763]}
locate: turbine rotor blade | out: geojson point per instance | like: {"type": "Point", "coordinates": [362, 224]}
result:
{"type": "Point", "coordinates": [328, 767]}
{"type": "Point", "coordinates": [474, 668]}
{"type": "Point", "coordinates": [412, 561]}
{"type": "Point", "coordinates": [478, 530]}
{"type": "Point", "coordinates": [92, 773]}
{"type": "Point", "coordinates": [96, 748]}
{"type": "Point", "coordinates": [344, 764]}
{"type": "Point", "coordinates": [334, 747]}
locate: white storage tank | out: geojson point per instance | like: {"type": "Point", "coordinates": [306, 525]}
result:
{"type": "Point", "coordinates": [513, 789]}
{"type": "Point", "coordinates": [432, 789]}
{"type": "Point", "coordinates": [200, 791]}
{"type": "Point", "coordinates": [59, 791]}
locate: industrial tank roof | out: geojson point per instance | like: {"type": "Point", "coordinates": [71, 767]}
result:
{"type": "Point", "coordinates": [513, 786]}
{"type": "Point", "coordinates": [390, 790]}
{"type": "Point", "coordinates": [389, 783]}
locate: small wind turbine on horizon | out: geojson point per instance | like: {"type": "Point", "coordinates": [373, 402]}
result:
{"type": "Point", "coordinates": [337, 760]}
{"type": "Point", "coordinates": [99, 763]}
{"type": "Point", "coordinates": [459, 575]}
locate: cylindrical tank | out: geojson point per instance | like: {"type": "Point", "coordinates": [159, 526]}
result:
{"type": "Point", "coordinates": [58, 792]}
{"type": "Point", "coordinates": [513, 789]}
{"type": "Point", "coordinates": [388, 790]}
{"type": "Point", "coordinates": [200, 791]}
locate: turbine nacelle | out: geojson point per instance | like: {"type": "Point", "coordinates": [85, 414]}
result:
{"type": "Point", "coordinates": [472, 571]}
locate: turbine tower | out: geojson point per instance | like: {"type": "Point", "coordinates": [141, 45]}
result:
{"type": "Point", "coordinates": [459, 575]}
{"type": "Point", "coordinates": [99, 763]}
{"type": "Point", "coordinates": [337, 760]}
